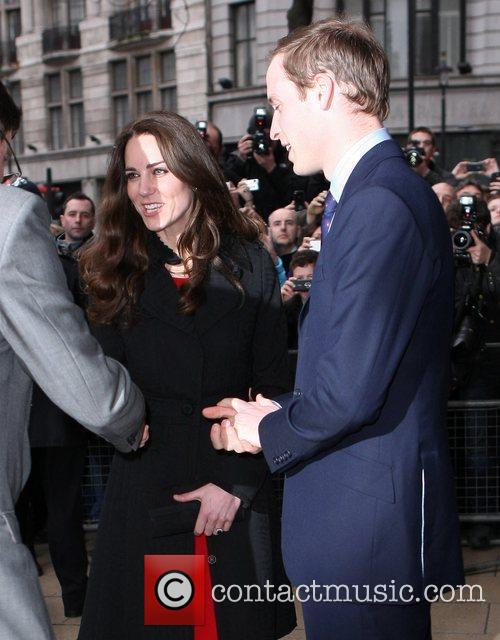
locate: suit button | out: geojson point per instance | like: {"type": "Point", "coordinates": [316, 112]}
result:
{"type": "Point", "coordinates": [297, 393]}
{"type": "Point", "coordinates": [187, 409]}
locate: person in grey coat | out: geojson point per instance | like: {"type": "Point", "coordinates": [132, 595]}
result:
{"type": "Point", "coordinates": [44, 337]}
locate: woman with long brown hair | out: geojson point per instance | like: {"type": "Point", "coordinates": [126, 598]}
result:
{"type": "Point", "coordinates": [181, 291]}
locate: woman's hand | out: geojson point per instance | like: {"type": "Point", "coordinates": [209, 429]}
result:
{"type": "Point", "coordinates": [217, 511]}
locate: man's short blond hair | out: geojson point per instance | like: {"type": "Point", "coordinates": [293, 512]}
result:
{"type": "Point", "coordinates": [349, 51]}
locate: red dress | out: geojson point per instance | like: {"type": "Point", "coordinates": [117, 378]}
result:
{"type": "Point", "coordinates": [209, 630]}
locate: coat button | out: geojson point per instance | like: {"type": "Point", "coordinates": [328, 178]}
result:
{"type": "Point", "coordinates": [187, 409]}
{"type": "Point", "coordinates": [297, 393]}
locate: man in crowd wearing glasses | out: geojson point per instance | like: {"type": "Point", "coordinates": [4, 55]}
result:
{"type": "Point", "coordinates": [43, 336]}
{"type": "Point", "coordinates": [422, 138]}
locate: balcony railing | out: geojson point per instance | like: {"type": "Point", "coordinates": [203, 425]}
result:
{"type": "Point", "coordinates": [8, 53]}
{"type": "Point", "coordinates": [140, 20]}
{"type": "Point", "coordinates": [61, 39]}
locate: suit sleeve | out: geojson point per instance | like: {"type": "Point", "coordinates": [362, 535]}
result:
{"type": "Point", "coordinates": [367, 311]}
{"type": "Point", "coordinates": [49, 334]}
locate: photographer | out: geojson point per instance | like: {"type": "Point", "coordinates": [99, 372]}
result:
{"type": "Point", "coordinates": [471, 186]}
{"type": "Point", "coordinates": [420, 150]}
{"type": "Point", "coordinates": [475, 367]}
{"type": "Point", "coordinates": [477, 298]}
{"type": "Point", "coordinates": [296, 289]}
{"type": "Point", "coordinates": [259, 157]}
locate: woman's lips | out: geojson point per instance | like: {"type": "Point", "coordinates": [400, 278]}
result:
{"type": "Point", "coordinates": [151, 210]}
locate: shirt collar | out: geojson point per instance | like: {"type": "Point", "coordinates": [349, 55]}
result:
{"type": "Point", "coordinates": [351, 158]}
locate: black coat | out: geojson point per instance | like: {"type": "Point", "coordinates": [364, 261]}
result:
{"type": "Point", "coordinates": [182, 364]}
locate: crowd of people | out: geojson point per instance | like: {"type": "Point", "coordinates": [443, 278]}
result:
{"type": "Point", "coordinates": [195, 280]}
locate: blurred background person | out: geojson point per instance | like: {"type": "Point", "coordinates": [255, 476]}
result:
{"type": "Point", "coordinates": [284, 231]}
{"type": "Point", "coordinates": [296, 289]}
{"type": "Point", "coordinates": [445, 192]}
{"type": "Point", "coordinates": [259, 157]}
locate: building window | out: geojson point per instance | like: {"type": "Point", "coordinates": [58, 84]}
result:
{"type": "Point", "coordinates": [10, 21]}
{"type": "Point", "coordinates": [14, 89]}
{"type": "Point", "coordinates": [66, 114]}
{"type": "Point", "coordinates": [167, 81]}
{"type": "Point", "coordinates": [437, 30]}
{"type": "Point", "coordinates": [141, 84]}
{"type": "Point", "coordinates": [77, 119]}
{"type": "Point", "coordinates": [120, 100]}
{"type": "Point", "coordinates": [54, 105]}
{"type": "Point", "coordinates": [244, 44]}
{"type": "Point", "coordinates": [67, 12]}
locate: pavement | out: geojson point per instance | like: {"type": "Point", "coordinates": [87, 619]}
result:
{"type": "Point", "coordinates": [450, 621]}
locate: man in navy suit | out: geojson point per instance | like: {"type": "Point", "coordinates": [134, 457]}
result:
{"type": "Point", "coordinates": [369, 497]}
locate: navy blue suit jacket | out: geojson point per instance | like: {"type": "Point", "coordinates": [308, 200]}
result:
{"type": "Point", "coordinates": [369, 495]}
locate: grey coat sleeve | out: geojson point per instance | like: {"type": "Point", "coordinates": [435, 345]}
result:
{"type": "Point", "coordinates": [49, 334]}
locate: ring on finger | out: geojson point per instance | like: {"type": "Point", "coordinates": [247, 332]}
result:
{"type": "Point", "coordinates": [218, 531]}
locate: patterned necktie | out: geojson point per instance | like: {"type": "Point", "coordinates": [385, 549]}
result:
{"type": "Point", "coordinates": [328, 214]}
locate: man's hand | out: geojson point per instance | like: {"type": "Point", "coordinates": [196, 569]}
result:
{"type": "Point", "coordinates": [245, 146]}
{"type": "Point", "coordinates": [480, 253]}
{"type": "Point", "coordinates": [460, 170]}
{"type": "Point", "coordinates": [217, 510]}
{"type": "Point", "coordinates": [266, 160]}
{"type": "Point", "coordinates": [144, 436]}
{"type": "Point", "coordinates": [490, 166]}
{"type": "Point", "coordinates": [316, 206]}
{"type": "Point", "coordinates": [239, 429]}
{"type": "Point", "coordinates": [287, 291]}
{"type": "Point", "coordinates": [244, 191]}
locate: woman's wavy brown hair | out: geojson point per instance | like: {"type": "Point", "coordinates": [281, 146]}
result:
{"type": "Point", "coordinates": [113, 265]}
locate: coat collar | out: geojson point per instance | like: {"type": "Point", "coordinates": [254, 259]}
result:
{"type": "Point", "coordinates": [160, 297]}
{"type": "Point", "coordinates": [378, 153]}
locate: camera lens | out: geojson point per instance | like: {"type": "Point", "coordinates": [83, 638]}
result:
{"type": "Point", "coordinates": [462, 240]}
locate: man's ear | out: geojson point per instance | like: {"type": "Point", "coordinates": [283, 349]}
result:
{"type": "Point", "coordinates": [324, 86]}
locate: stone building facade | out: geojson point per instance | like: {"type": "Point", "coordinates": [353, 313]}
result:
{"type": "Point", "coordinates": [81, 68]}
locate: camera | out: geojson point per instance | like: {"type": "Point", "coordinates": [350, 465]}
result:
{"type": "Point", "coordinates": [260, 139]}
{"type": "Point", "coordinates": [252, 184]}
{"type": "Point", "coordinates": [475, 166]}
{"type": "Point", "coordinates": [315, 245]}
{"type": "Point", "coordinates": [462, 238]}
{"type": "Point", "coordinates": [299, 200]}
{"type": "Point", "coordinates": [414, 156]}
{"type": "Point", "coordinates": [301, 285]}
{"type": "Point", "coordinates": [201, 127]}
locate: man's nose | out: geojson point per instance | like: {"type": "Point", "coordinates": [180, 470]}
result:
{"type": "Point", "coordinates": [275, 130]}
